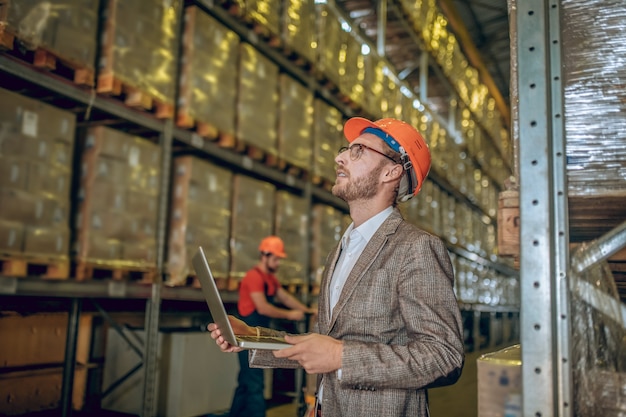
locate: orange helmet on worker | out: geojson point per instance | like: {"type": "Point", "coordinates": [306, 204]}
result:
{"type": "Point", "coordinates": [405, 140]}
{"type": "Point", "coordinates": [273, 245]}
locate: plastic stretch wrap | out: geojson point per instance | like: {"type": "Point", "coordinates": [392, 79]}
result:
{"type": "Point", "coordinates": [67, 28]}
{"type": "Point", "coordinates": [599, 343]}
{"type": "Point", "coordinates": [252, 219]}
{"type": "Point", "coordinates": [292, 221]}
{"type": "Point", "coordinates": [594, 58]}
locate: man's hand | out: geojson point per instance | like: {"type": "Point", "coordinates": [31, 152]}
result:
{"type": "Point", "coordinates": [295, 315]}
{"type": "Point", "coordinates": [316, 353]}
{"type": "Point", "coordinates": [239, 327]}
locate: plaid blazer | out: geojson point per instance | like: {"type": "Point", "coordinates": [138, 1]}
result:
{"type": "Point", "coordinates": [400, 323]}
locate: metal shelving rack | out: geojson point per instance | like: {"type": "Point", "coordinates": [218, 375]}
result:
{"type": "Point", "coordinates": [547, 275]}
{"type": "Point", "coordinates": [99, 107]}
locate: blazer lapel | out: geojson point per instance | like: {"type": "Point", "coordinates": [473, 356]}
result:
{"type": "Point", "coordinates": [373, 247]}
{"type": "Point", "coordinates": [324, 298]}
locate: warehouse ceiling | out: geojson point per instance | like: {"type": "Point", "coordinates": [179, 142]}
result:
{"type": "Point", "coordinates": [480, 26]}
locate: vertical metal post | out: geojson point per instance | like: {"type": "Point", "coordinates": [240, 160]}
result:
{"type": "Point", "coordinates": [153, 306]}
{"type": "Point", "coordinates": [69, 367]}
{"type": "Point", "coordinates": [545, 332]}
{"type": "Point", "coordinates": [424, 77]}
{"type": "Point", "coordinates": [382, 28]}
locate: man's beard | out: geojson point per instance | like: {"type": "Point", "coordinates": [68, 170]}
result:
{"type": "Point", "coordinates": [363, 188]}
{"type": "Point", "coordinates": [271, 270]}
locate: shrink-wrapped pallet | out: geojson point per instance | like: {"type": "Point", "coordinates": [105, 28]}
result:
{"type": "Point", "coordinates": [200, 215]}
{"type": "Point", "coordinates": [57, 30]}
{"type": "Point", "coordinates": [208, 81]}
{"type": "Point", "coordinates": [499, 376]}
{"type": "Point", "coordinates": [327, 139]}
{"type": "Point", "coordinates": [117, 203]}
{"type": "Point", "coordinates": [36, 146]}
{"type": "Point", "coordinates": [252, 220]}
{"type": "Point", "coordinates": [298, 28]}
{"type": "Point", "coordinates": [257, 103]}
{"type": "Point", "coordinates": [138, 48]}
{"type": "Point", "coordinates": [391, 102]}
{"type": "Point", "coordinates": [328, 225]}
{"type": "Point", "coordinates": [292, 222]}
{"type": "Point", "coordinates": [295, 123]}
{"type": "Point", "coordinates": [329, 28]}
{"type": "Point", "coordinates": [375, 69]}
{"type": "Point", "coordinates": [352, 68]}
{"type": "Point", "coordinates": [595, 100]}
{"type": "Point", "coordinates": [265, 16]}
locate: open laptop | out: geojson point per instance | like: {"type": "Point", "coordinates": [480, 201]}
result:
{"type": "Point", "coordinates": [216, 306]}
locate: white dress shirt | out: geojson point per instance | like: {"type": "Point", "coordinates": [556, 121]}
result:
{"type": "Point", "coordinates": [353, 243]}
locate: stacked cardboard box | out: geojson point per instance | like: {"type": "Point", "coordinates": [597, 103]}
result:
{"type": "Point", "coordinates": [118, 200]}
{"type": "Point", "coordinates": [327, 225]}
{"type": "Point", "coordinates": [352, 68]}
{"type": "Point", "coordinates": [200, 216]}
{"type": "Point", "coordinates": [31, 367]}
{"type": "Point", "coordinates": [499, 381]}
{"type": "Point", "coordinates": [138, 47]}
{"type": "Point", "coordinates": [594, 103]}
{"type": "Point", "coordinates": [327, 139]}
{"type": "Point", "coordinates": [208, 81]}
{"type": "Point", "coordinates": [295, 123]}
{"type": "Point", "coordinates": [252, 220]}
{"type": "Point", "coordinates": [292, 222]}
{"type": "Point", "coordinates": [265, 14]}
{"type": "Point", "coordinates": [298, 28]}
{"type": "Point", "coordinates": [65, 28]}
{"type": "Point", "coordinates": [36, 146]}
{"type": "Point", "coordinates": [375, 70]}
{"type": "Point", "coordinates": [257, 105]}
{"type": "Point", "coordinates": [329, 44]}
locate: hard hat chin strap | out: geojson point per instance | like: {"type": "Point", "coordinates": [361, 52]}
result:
{"type": "Point", "coordinates": [409, 177]}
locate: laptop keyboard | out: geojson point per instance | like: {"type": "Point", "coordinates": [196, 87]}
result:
{"type": "Point", "coordinates": [262, 338]}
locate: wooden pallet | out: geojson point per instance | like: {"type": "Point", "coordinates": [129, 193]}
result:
{"type": "Point", "coordinates": [290, 169]}
{"type": "Point", "coordinates": [220, 282]}
{"type": "Point", "coordinates": [205, 130]}
{"type": "Point", "coordinates": [256, 153]}
{"type": "Point", "coordinates": [86, 270]}
{"type": "Point", "coordinates": [43, 59]}
{"type": "Point", "coordinates": [23, 265]}
{"type": "Point", "coordinates": [297, 59]}
{"type": "Point", "coordinates": [109, 84]}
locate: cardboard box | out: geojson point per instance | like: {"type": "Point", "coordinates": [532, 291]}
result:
{"type": "Point", "coordinates": [252, 220]}
{"type": "Point", "coordinates": [200, 216]}
{"type": "Point", "coordinates": [40, 389]}
{"type": "Point", "coordinates": [499, 380]}
{"type": "Point", "coordinates": [40, 339]}
{"type": "Point", "coordinates": [208, 83]}
{"type": "Point", "coordinates": [508, 223]}
{"type": "Point", "coordinates": [258, 89]}
{"type": "Point", "coordinates": [295, 123]}
{"type": "Point", "coordinates": [292, 222]}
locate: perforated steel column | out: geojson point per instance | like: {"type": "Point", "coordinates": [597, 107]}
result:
{"type": "Point", "coordinates": [544, 258]}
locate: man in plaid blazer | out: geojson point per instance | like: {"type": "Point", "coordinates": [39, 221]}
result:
{"type": "Point", "coordinates": [389, 323]}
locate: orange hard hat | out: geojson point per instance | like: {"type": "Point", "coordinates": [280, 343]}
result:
{"type": "Point", "coordinates": [273, 245]}
{"type": "Point", "coordinates": [402, 138]}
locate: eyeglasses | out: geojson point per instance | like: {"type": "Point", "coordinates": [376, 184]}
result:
{"type": "Point", "coordinates": [356, 150]}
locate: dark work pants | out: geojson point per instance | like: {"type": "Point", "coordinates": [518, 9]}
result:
{"type": "Point", "coordinates": [248, 400]}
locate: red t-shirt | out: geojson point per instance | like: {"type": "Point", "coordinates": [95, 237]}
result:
{"type": "Point", "coordinates": [255, 281]}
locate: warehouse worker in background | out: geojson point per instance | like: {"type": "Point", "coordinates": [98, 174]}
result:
{"type": "Point", "coordinates": [389, 322]}
{"type": "Point", "coordinates": [258, 292]}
